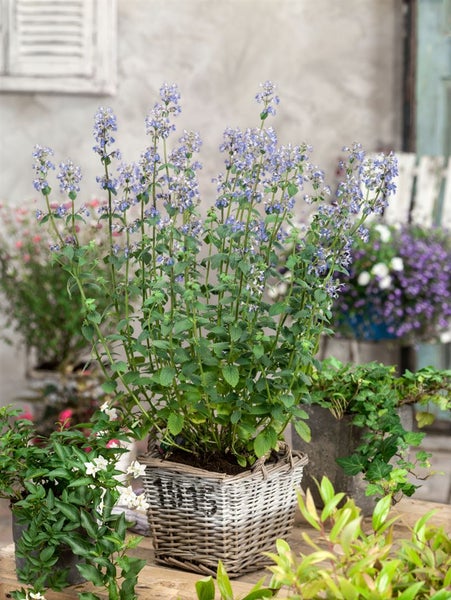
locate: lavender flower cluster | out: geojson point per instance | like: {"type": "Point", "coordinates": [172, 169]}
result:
{"type": "Point", "coordinates": [399, 285]}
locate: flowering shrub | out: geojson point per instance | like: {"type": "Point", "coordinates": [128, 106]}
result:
{"type": "Point", "coordinates": [34, 292]}
{"type": "Point", "coordinates": [399, 278]}
{"type": "Point", "coordinates": [70, 399]}
{"type": "Point", "coordinates": [213, 365]}
{"type": "Point", "coordinates": [64, 488]}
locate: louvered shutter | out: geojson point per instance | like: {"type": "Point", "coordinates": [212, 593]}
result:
{"type": "Point", "coordinates": [59, 45]}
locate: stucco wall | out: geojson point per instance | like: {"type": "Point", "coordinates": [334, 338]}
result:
{"type": "Point", "coordinates": [337, 65]}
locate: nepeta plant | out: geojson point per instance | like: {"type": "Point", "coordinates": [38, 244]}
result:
{"type": "Point", "coordinates": [210, 361]}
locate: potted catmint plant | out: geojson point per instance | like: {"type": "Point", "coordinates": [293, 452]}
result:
{"type": "Point", "coordinates": [202, 358]}
{"type": "Point", "coordinates": [63, 489]}
{"type": "Point", "coordinates": [362, 423]}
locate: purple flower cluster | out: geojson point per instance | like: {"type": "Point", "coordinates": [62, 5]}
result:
{"type": "Point", "coordinates": [42, 166]}
{"type": "Point", "coordinates": [399, 278]}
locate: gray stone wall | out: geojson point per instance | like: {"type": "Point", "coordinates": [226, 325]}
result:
{"type": "Point", "coordinates": [337, 65]}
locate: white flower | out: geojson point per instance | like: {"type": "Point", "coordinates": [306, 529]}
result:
{"type": "Point", "coordinates": [34, 596]}
{"type": "Point", "coordinates": [110, 412]}
{"type": "Point", "coordinates": [380, 270]}
{"type": "Point", "coordinates": [396, 264]}
{"type": "Point", "coordinates": [136, 469]}
{"type": "Point", "coordinates": [141, 503]}
{"type": "Point", "coordinates": [128, 497]}
{"type": "Point", "coordinates": [364, 278]}
{"type": "Point", "coordinates": [384, 232]}
{"type": "Point", "coordinates": [385, 282]}
{"type": "Point", "coordinates": [98, 464]}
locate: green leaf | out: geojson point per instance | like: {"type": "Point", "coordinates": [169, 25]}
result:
{"type": "Point", "coordinates": [258, 351]}
{"type": "Point", "coordinates": [277, 308]}
{"type": "Point", "coordinates": [175, 423]}
{"type": "Point", "coordinates": [303, 430]}
{"type": "Point", "coordinates": [231, 375]}
{"type": "Point", "coordinates": [119, 367]}
{"type": "Point", "coordinates": [224, 585]}
{"type": "Point", "coordinates": [68, 510]}
{"type": "Point", "coordinates": [183, 325]}
{"type": "Point", "coordinates": [167, 375]}
{"type": "Point", "coordinates": [205, 589]}
{"type": "Point", "coordinates": [351, 465]}
{"type": "Point", "coordinates": [264, 442]}
{"type": "Point", "coordinates": [90, 573]}
{"type": "Point", "coordinates": [424, 418]}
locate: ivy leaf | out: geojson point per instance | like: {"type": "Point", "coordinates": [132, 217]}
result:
{"type": "Point", "coordinates": [351, 465]}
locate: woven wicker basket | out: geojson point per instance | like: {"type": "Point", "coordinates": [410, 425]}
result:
{"type": "Point", "coordinates": [199, 517]}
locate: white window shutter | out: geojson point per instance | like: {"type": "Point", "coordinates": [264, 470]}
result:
{"type": "Point", "coordinates": [64, 46]}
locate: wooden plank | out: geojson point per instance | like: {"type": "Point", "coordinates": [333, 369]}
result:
{"type": "Point", "coordinates": [428, 186]}
{"type": "Point", "coordinates": [161, 583]}
{"type": "Point", "coordinates": [155, 582]}
{"type": "Point", "coordinates": [445, 219]}
{"type": "Point", "coordinates": [398, 209]}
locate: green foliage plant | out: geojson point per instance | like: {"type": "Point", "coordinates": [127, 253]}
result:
{"type": "Point", "coordinates": [371, 395]}
{"type": "Point", "coordinates": [353, 560]}
{"type": "Point", "coordinates": [63, 489]}
{"type": "Point", "coordinates": [200, 353]}
{"type": "Point", "coordinates": [206, 589]}
{"type": "Point", "coordinates": [34, 298]}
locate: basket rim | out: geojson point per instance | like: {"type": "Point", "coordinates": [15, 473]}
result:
{"type": "Point", "coordinates": [290, 460]}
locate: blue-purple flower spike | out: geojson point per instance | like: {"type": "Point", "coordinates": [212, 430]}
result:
{"type": "Point", "coordinates": [105, 124]}
{"type": "Point", "coordinates": [69, 177]}
{"type": "Point", "coordinates": [42, 166]}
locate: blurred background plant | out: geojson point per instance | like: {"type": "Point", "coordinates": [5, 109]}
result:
{"type": "Point", "coordinates": [40, 312]}
{"type": "Point", "coordinates": [398, 286]}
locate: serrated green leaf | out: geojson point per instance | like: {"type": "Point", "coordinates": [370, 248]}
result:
{"type": "Point", "coordinates": [175, 423]}
{"type": "Point", "coordinates": [182, 325]}
{"type": "Point", "coordinates": [166, 376]}
{"type": "Point", "coordinates": [231, 375]}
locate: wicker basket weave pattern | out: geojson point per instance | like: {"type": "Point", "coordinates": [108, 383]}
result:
{"type": "Point", "coordinates": [198, 517]}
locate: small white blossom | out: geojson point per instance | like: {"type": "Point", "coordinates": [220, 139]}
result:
{"type": "Point", "coordinates": [385, 282]}
{"type": "Point", "coordinates": [128, 497]}
{"type": "Point", "coordinates": [141, 503]}
{"type": "Point", "coordinates": [397, 264]}
{"type": "Point", "coordinates": [384, 232]}
{"type": "Point", "coordinates": [110, 412]}
{"type": "Point", "coordinates": [98, 464]}
{"type": "Point", "coordinates": [364, 278]}
{"type": "Point", "coordinates": [136, 469]}
{"type": "Point", "coordinates": [380, 270]}
{"type": "Point", "coordinates": [34, 596]}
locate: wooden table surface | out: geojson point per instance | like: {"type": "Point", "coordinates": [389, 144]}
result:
{"type": "Point", "coordinates": [161, 583]}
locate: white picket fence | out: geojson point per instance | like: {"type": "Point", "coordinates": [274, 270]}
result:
{"type": "Point", "coordinates": [423, 193]}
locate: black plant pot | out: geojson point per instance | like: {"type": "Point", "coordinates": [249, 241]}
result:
{"type": "Point", "coordinates": [332, 439]}
{"type": "Point", "coordinates": [67, 560]}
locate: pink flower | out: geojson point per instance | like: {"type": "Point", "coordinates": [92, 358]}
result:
{"type": "Point", "coordinates": [26, 415]}
{"type": "Point", "coordinates": [113, 444]}
{"type": "Point", "coordinates": [65, 416]}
